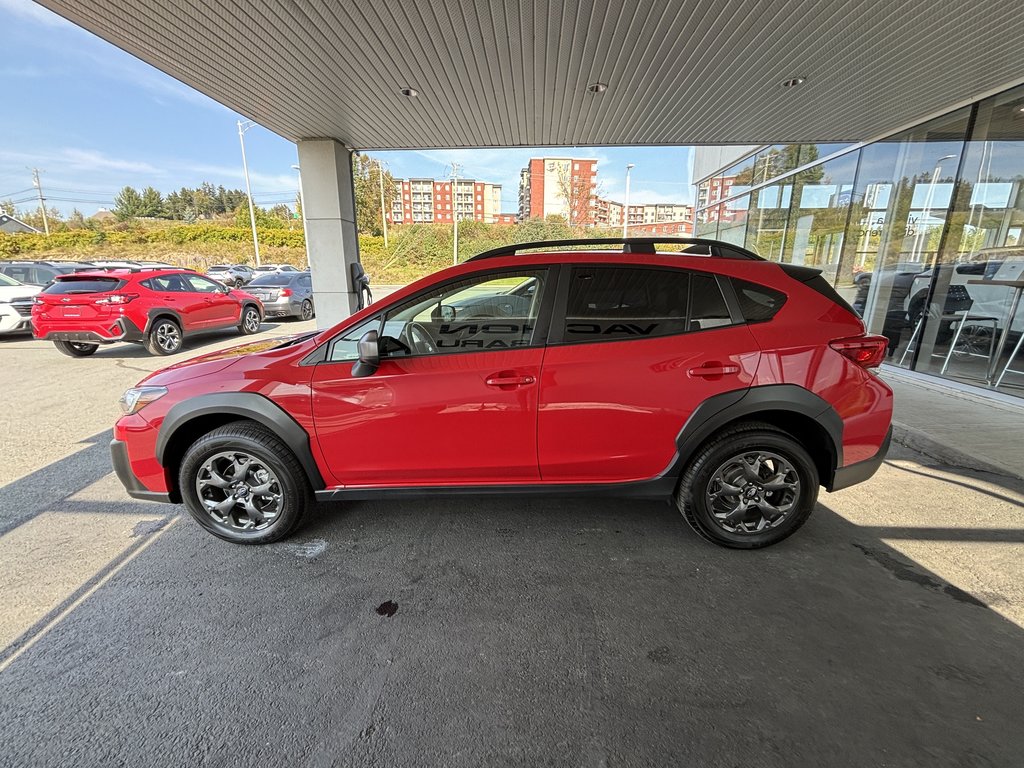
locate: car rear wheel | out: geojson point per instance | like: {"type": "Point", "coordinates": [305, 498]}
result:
{"type": "Point", "coordinates": [250, 322]}
{"type": "Point", "coordinates": [750, 487]}
{"type": "Point", "coordinates": [306, 310]}
{"type": "Point", "coordinates": [243, 484]}
{"type": "Point", "coordinates": [76, 348]}
{"type": "Point", "coordinates": [164, 338]}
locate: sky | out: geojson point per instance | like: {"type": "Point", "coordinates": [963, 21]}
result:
{"type": "Point", "coordinates": [94, 119]}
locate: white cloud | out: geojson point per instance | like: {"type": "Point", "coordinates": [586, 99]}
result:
{"type": "Point", "coordinates": [89, 160]}
{"type": "Point", "coordinates": [27, 9]}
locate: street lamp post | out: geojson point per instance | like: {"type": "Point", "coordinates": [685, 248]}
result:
{"type": "Point", "coordinates": [383, 213]}
{"type": "Point", "coordinates": [625, 206]}
{"type": "Point", "coordinates": [455, 213]}
{"type": "Point", "coordinates": [242, 128]}
{"type": "Point", "coordinates": [916, 253]}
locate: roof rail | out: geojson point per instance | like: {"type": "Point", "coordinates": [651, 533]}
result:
{"type": "Point", "coordinates": [716, 248]}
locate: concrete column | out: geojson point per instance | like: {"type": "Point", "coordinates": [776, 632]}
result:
{"type": "Point", "coordinates": [329, 217]}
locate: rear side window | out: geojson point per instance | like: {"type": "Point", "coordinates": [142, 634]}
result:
{"type": "Point", "coordinates": [757, 302]}
{"type": "Point", "coordinates": [75, 284]}
{"type": "Point", "coordinates": [612, 303]}
{"type": "Point", "coordinates": [166, 284]}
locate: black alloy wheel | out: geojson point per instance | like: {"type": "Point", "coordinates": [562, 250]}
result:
{"type": "Point", "coordinates": [750, 487]}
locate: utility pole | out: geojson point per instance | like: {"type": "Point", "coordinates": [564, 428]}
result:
{"type": "Point", "coordinates": [383, 215]}
{"type": "Point", "coordinates": [625, 206]}
{"type": "Point", "coordinates": [455, 211]}
{"type": "Point", "coordinates": [42, 200]}
{"type": "Point", "coordinates": [242, 128]}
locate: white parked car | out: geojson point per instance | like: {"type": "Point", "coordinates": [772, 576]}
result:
{"type": "Point", "coordinates": [16, 305]}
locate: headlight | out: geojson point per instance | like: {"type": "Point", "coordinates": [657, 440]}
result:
{"type": "Point", "coordinates": [138, 398]}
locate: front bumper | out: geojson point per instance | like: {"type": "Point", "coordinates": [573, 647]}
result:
{"type": "Point", "coordinates": [844, 477]}
{"type": "Point", "coordinates": [131, 483]}
{"type": "Point", "coordinates": [14, 323]}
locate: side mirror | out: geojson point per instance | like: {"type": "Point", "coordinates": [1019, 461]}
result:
{"type": "Point", "coordinates": [369, 355]}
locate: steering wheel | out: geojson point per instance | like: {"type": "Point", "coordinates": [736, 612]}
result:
{"type": "Point", "coordinates": [420, 338]}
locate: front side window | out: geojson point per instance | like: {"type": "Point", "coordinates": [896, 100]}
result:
{"type": "Point", "coordinates": [483, 312]}
{"type": "Point", "coordinates": [201, 284]}
{"type": "Point", "coordinates": [345, 348]}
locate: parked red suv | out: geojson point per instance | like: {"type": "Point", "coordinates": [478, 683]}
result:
{"type": "Point", "coordinates": [157, 307]}
{"type": "Point", "coordinates": [733, 385]}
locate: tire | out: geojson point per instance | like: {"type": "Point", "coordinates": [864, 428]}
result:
{"type": "Point", "coordinates": [219, 456]}
{"type": "Point", "coordinates": [164, 337]}
{"type": "Point", "coordinates": [306, 310]}
{"type": "Point", "coordinates": [249, 322]}
{"type": "Point", "coordinates": [76, 348]}
{"type": "Point", "coordinates": [755, 522]}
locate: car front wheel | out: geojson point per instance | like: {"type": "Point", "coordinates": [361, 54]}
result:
{"type": "Point", "coordinates": [243, 484]}
{"type": "Point", "coordinates": [750, 487]}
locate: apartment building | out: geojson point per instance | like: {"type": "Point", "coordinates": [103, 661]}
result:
{"type": "Point", "coordinates": [433, 201]}
{"type": "Point", "coordinates": [559, 186]}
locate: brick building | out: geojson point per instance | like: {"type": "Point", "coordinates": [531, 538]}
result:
{"type": "Point", "coordinates": [431, 201]}
{"type": "Point", "coordinates": [559, 186]}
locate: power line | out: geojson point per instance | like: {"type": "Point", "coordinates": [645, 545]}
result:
{"type": "Point", "coordinates": [18, 192]}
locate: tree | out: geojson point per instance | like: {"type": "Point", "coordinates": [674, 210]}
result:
{"type": "Point", "coordinates": [152, 204]}
{"type": "Point", "coordinates": [7, 206]}
{"type": "Point", "coordinates": [366, 179]}
{"type": "Point", "coordinates": [76, 220]}
{"type": "Point", "coordinates": [127, 204]}
{"type": "Point", "coordinates": [578, 193]}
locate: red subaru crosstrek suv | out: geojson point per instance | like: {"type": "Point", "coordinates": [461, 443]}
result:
{"type": "Point", "coordinates": [157, 307]}
{"type": "Point", "coordinates": [732, 385]}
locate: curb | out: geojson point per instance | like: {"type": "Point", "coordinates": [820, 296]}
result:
{"type": "Point", "coordinates": [923, 443]}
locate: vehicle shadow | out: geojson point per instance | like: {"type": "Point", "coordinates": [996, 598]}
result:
{"type": "Point", "coordinates": [467, 632]}
{"type": "Point", "coordinates": [195, 344]}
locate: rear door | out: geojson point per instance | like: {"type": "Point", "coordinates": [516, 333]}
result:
{"type": "Point", "coordinates": [633, 351]}
{"type": "Point", "coordinates": [454, 400]}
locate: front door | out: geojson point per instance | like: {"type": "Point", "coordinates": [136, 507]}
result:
{"type": "Point", "coordinates": [454, 400]}
{"type": "Point", "coordinates": [214, 308]}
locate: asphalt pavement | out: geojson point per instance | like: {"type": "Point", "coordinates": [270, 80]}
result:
{"type": "Point", "coordinates": [478, 632]}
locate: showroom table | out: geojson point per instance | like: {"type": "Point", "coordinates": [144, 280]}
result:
{"type": "Point", "coordinates": [1018, 288]}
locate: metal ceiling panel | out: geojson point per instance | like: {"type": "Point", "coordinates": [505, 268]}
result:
{"type": "Point", "coordinates": [515, 72]}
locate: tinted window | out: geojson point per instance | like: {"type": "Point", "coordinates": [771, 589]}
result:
{"type": "Point", "coordinates": [271, 280]}
{"type": "Point", "coordinates": [166, 284]}
{"type": "Point", "coordinates": [708, 308]}
{"type": "Point", "coordinates": [611, 303]}
{"type": "Point", "coordinates": [757, 303]}
{"type": "Point", "coordinates": [483, 312]}
{"type": "Point", "coordinates": [76, 284]}
{"type": "Point", "coordinates": [306, 281]}
{"type": "Point", "coordinates": [201, 284]}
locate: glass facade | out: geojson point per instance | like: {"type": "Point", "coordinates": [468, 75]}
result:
{"type": "Point", "coordinates": [922, 232]}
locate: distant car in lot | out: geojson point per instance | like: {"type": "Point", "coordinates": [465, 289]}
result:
{"type": "Point", "coordinates": [235, 275]}
{"type": "Point", "coordinates": [155, 307]}
{"type": "Point", "coordinates": [732, 385]}
{"type": "Point", "coordinates": [16, 305]}
{"type": "Point", "coordinates": [269, 268]}
{"type": "Point", "coordinates": [40, 273]}
{"type": "Point", "coordinates": [285, 294]}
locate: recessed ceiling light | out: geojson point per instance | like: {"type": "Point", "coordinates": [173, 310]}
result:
{"type": "Point", "coordinates": [793, 82]}
{"type": "Point", "coordinates": [597, 87]}
{"type": "Point", "coordinates": [410, 92]}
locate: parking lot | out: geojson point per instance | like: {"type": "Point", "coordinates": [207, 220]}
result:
{"type": "Point", "coordinates": [463, 632]}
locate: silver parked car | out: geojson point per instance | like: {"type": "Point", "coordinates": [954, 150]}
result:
{"type": "Point", "coordinates": [234, 275]}
{"type": "Point", "coordinates": [284, 294]}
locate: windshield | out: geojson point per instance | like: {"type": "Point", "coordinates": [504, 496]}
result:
{"type": "Point", "coordinates": [5, 280]}
{"type": "Point", "coordinates": [219, 268]}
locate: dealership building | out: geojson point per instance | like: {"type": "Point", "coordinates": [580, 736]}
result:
{"type": "Point", "coordinates": [921, 230]}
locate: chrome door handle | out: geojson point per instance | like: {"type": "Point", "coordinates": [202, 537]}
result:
{"type": "Point", "coordinates": [714, 369]}
{"type": "Point", "coordinates": [509, 381]}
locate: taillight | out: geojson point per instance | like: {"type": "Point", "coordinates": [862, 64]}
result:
{"type": "Point", "coordinates": [865, 351]}
{"type": "Point", "coordinates": [285, 292]}
{"type": "Point", "coordinates": [118, 298]}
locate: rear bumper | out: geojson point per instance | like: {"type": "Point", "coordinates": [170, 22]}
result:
{"type": "Point", "coordinates": [103, 332]}
{"type": "Point", "coordinates": [131, 483]}
{"type": "Point", "coordinates": [844, 477]}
